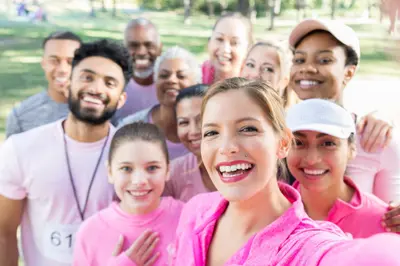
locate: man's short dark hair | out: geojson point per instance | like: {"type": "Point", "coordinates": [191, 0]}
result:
{"type": "Point", "coordinates": [107, 49]}
{"type": "Point", "coordinates": [62, 35]}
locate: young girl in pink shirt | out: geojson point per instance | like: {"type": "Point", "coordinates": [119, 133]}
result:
{"type": "Point", "coordinates": [142, 222]}
{"type": "Point", "coordinates": [188, 174]}
{"type": "Point", "coordinates": [253, 219]}
{"type": "Point", "coordinates": [231, 37]}
{"type": "Point", "coordinates": [324, 144]}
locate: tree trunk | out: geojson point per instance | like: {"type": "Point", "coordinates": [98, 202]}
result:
{"type": "Point", "coordinates": [210, 7]}
{"type": "Point", "coordinates": [92, 10]}
{"type": "Point", "coordinates": [272, 6]}
{"type": "Point", "coordinates": [103, 6]}
{"type": "Point", "coordinates": [224, 5]}
{"type": "Point", "coordinates": [333, 9]}
{"type": "Point", "coordinates": [244, 7]}
{"type": "Point", "coordinates": [114, 9]}
{"type": "Point", "coordinates": [188, 7]}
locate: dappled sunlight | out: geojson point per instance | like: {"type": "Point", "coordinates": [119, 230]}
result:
{"type": "Point", "coordinates": [103, 34]}
{"type": "Point", "coordinates": [26, 59]}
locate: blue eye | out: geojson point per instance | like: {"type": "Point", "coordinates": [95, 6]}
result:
{"type": "Point", "coordinates": [152, 168]}
{"type": "Point", "coordinates": [126, 169]}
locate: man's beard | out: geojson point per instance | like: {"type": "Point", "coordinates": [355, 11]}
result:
{"type": "Point", "coordinates": [143, 74]}
{"type": "Point", "coordinates": [87, 115]}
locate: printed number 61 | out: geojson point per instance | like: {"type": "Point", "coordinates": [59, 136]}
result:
{"type": "Point", "coordinates": [55, 239]}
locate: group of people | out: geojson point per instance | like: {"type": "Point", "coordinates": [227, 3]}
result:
{"type": "Point", "coordinates": [134, 155]}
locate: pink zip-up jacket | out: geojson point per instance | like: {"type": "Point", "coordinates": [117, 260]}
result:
{"type": "Point", "coordinates": [292, 239]}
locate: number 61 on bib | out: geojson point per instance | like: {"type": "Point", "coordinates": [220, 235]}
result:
{"type": "Point", "coordinates": [58, 242]}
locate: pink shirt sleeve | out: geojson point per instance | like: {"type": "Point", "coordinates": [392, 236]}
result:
{"type": "Point", "coordinates": [387, 180]}
{"type": "Point", "coordinates": [380, 249]}
{"type": "Point", "coordinates": [11, 176]}
{"type": "Point", "coordinates": [207, 70]}
{"type": "Point", "coordinates": [121, 260]}
{"type": "Point", "coordinates": [81, 257]}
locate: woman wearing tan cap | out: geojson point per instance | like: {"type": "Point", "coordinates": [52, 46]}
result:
{"type": "Point", "coordinates": [326, 57]}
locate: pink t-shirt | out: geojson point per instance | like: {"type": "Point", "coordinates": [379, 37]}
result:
{"type": "Point", "coordinates": [139, 97]}
{"type": "Point", "coordinates": [361, 217]}
{"type": "Point", "coordinates": [207, 70]}
{"type": "Point", "coordinates": [292, 239]}
{"type": "Point", "coordinates": [98, 236]}
{"type": "Point", "coordinates": [33, 167]}
{"type": "Point", "coordinates": [186, 181]}
{"type": "Point", "coordinates": [378, 173]}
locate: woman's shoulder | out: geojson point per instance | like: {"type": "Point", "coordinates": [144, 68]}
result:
{"type": "Point", "coordinates": [200, 207]}
{"type": "Point", "coordinates": [94, 224]}
{"type": "Point", "coordinates": [183, 165]}
{"type": "Point", "coordinates": [142, 115]}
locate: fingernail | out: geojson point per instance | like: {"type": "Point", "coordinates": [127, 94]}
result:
{"type": "Point", "coordinates": [388, 230]}
{"type": "Point", "coordinates": [383, 224]}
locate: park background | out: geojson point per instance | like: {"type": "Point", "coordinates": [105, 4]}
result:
{"type": "Point", "coordinates": [188, 23]}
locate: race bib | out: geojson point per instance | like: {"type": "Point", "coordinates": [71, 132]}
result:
{"type": "Point", "coordinates": [58, 241]}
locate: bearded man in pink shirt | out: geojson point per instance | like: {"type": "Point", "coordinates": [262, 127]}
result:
{"type": "Point", "coordinates": [53, 177]}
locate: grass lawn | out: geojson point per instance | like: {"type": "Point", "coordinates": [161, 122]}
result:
{"type": "Point", "coordinates": [20, 45]}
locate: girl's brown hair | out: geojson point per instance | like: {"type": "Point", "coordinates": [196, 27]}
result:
{"type": "Point", "coordinates": [138, 131]}
{"type": "Point", "coordinates": [263, 95]}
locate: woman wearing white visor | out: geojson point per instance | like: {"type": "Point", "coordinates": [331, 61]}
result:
{"type": "Point", "coordinates": [326, 57]}
{"type": "Point", "coordinates": [323, 145]}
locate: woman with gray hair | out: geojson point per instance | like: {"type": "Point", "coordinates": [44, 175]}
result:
{"type": "Point", "coordinates": [174, 70]}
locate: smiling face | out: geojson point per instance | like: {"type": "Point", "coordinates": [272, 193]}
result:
{"type": "Point", "coordinates": [318, 161]}
{"type": "Point", "coordinates": [319, 69]}
{"type": "Point", "coordinates": [173, 76]}
{"type": "Point", "coordinates": [263, 63]}
{"type": "Point", "coordinates": [143, 43]}
{"type": "Point", "coordinates": [189, 125]}
{"type": "Point", "coordinates": [138, 172]}
{"type": "Point", "coordinates": [239, 148]}
{"type": "Point", "coordinates": [96, 90]}
{"type": "Point", "coordinates": [228, 46]}
{"type": "Point", "coordinates": [56, 63]}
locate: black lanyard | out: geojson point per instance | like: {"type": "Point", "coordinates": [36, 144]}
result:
{"type": "Point", "coordinates": [82, 211]}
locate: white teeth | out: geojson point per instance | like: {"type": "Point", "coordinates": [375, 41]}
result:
{"type": "Point", "coordinates": [224, 59]}
{"type": "Point", "coordinates": [308, 82]}
{"type": "Point", "coordinates": [142, 61]}
{"type": "Point", "coordinates": [195, 142]}
{"type": "Point", "coordinates": [62, 80]}
{"type": "Point", "coordinates": [138, 193]}
{"type": "Point", "coordinates": [233, 168]}
{"type": "Point", "coordinates": [314, 172]}
{"type": "Point", "coordinates": [92, 100]}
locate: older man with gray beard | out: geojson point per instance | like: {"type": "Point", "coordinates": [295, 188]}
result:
{"type": "Point", "coordinates": [143, 42]}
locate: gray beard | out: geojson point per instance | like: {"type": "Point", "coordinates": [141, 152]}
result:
{"type": "Point", "coordinates": [143, 74]}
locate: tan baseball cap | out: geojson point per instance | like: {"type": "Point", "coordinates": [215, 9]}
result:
{"type": "Point", "coordinates": [339, 30]}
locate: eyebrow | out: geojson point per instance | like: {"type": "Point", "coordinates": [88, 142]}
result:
{"type": "Point", "coordinates": [244, 119]}
{"type": "Point", "coordinates": [94, 73]}
{"type": "Point", "coordinates": [320, 135]}
{"type": "Point", "coordinates": [151, 162]}
{"type": "Point", "coordinates": [319, 52]}
{"type": "Point", "coordinates": [237, 37]}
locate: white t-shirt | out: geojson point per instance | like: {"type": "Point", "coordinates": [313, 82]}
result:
{"type": "Point", "coordinates": [33, 166]}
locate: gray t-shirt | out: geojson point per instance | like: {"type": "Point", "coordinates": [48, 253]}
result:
{"type": "Point", "coordinates": [35, 111]}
